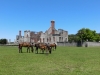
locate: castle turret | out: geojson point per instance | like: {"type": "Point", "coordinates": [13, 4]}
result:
{"type": "Point", "coordinates": [27, 36]}
{"type": "Point", "coordinates": [20, 34]}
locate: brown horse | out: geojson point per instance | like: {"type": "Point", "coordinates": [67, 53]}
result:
{"type": "Point", "coordinates": [53, 46]}
{"type": "Point", "coordinates": [24, 44]}
{"type": "Point", "coordinates": [43, 47]}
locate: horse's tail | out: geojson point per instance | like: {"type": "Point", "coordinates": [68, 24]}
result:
{"type": "Point", "coordinates": [19, 46]}
{"type": "Point", "coordinates": [55, 46]}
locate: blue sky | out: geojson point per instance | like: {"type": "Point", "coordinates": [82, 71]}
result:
{"type": "Point", "coordinates": [35, 15]}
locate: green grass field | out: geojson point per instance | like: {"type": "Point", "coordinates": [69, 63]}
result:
{"type": "Point", "coordinates": [63, 61]}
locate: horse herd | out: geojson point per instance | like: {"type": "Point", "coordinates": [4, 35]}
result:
{"type": "Point", "coordinates": [42, 46]}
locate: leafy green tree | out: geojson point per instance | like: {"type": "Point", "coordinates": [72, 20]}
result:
{"type": "Point", "coordinates": [70, 38]}
{"type": "Point", "coordinates": [97, 37]}
{"type": "Point", "coordinates": [85, 34]}
{"type": "Point", "coordinates": [73, 38]}
{"type": "Point", "coordinates": [0, 41]}
{"type": "Point", "coordinates": [3, 41]}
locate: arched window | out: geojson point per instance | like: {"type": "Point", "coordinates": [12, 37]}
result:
{"type": "Point", "coordinates": [43, 40]}
{"type": "Point", "coordinates": [27, 35]}
{"type": "Point", "coordinates": [66, 40]}
{"type": "Point", "coordinates": [50, 39]}
{"type": "Point", "coordinates": [47, 39]}
{"type": "Point", "coordinates": [54, 39]}
{"type": "Point", "coordinates": [40, 39]}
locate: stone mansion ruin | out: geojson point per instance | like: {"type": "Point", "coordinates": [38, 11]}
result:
{"type": "Point", "coordinates": [50, 36]}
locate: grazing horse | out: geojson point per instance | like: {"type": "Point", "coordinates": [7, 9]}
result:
{"type": "Point", "coordinates": [24, 44]}
{"type": "Point", "coordinates": [37, 47]}
{"type": "Point", "coordinates": [53, 46]}
{"type": "Point", "coordinates": [49, 48]}
{"type": "Point", "coordinates": [42, 47]}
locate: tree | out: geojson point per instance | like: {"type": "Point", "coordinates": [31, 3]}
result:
{"type": "Point", "coordinates": [73, 38]}
{"type": "Point", "coordinates": [85, 34]}
{"type": "Point", "coordinates": [3, 41]}
{"type": "Point", "coordinates": [97, 38]}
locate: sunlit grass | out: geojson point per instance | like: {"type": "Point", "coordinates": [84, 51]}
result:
{"type": "Point", "coordinates": [63, 61]}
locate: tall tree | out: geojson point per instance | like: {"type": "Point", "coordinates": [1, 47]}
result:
{"type": "Point", "coordinates": [3, 41]}
{"type": "Point", "coordinates": [87, 34]}
{"type": "Point", "coordinates": [73, 38]}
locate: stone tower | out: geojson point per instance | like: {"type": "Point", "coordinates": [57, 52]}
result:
{"type": "Point", "coordinates": [26, 36]}
{"type": "Point", "coordinates": [52, 26]}
{"type": "Point", "coordinates": [20, 34]}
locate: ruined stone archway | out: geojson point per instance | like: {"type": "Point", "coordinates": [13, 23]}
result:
{"type": "Point", "coordinates": [47, 39]}
{"type": "Point", "coordinates": [54, 39]}
{"type": "Point", "coordinates": [43, 40]}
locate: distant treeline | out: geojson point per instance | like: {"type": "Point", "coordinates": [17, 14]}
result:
{"type": "Point", "coordinates": [3, 41]}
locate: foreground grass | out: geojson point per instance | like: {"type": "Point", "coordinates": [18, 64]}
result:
{"type": "Point", "coordinates": [63, 61]}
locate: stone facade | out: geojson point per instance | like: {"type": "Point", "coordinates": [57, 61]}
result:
{"type": "Point", "coordinates": [25, 38]}
{"type": "Point", "coordinates": [53, 36]}
{"type": "Point", "coordinates": [50, 36]}
{"type": "Point", "coordinates": [29, 36]}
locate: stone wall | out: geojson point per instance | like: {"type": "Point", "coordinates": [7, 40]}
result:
{"type": "Point", "coordinates": [84, 44]}
{"type": "Point", "coordinates": [66, 44]}
{"type": "Point", "coordinates": [91, 44]}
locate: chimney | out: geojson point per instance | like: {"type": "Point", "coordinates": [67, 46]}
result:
{"type": "Point", "coordinates": [52, 26]}
{"type": "Point", "coordinates": [20, 33]}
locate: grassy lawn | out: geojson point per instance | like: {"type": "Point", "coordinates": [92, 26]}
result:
{"type": "Point", "coordinates": [63, 61]}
